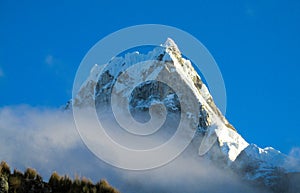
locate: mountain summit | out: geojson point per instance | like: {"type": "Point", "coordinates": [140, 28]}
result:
{"type": "Point", "coordinates": [216, 139]}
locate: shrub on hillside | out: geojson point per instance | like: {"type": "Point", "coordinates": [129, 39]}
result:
{"type": "Point", "coordinates": [32, 182]}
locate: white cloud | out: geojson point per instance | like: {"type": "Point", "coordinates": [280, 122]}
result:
{"type": "Point", "coordinates": [1, 73]}
{"type": "Point", "coordinates": [250, 12]}
{"type": "Point", "coordinates": [49, 60]}
{"type": "Point", "coordinates": [47, 140]}
{"type": "Point", "coordinates": [32, 136]}
{"type": "Point", "coordinates": [189, 175]}
{"type": "Point", "coordinates": [295, 152]}
{"type": "Point", "coordinates": [293, 160]}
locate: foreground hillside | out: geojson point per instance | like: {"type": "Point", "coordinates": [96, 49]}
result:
{"type": "Point", "coordinates": [31, 182]}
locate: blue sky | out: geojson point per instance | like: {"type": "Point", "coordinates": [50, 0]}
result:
{"type": "Point", "coordinates": [255, 43]}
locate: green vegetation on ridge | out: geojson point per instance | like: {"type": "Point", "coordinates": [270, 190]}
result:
{"type": "Point", "coordinates": [31, 182]}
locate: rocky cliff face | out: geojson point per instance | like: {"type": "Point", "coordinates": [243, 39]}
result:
{"type": "Point", "coordinates": [266, 167]}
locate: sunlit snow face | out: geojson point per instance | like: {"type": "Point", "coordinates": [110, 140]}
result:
{"type": "Point", "coordinates": [141, 141]}
{"type": "Point", "coordinates": [114, 84]}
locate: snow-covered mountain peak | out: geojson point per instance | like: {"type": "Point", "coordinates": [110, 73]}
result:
{"type": "Point", "coordinates": [222, 144]}
{"type": "Point", "coordinates": [171, 45]}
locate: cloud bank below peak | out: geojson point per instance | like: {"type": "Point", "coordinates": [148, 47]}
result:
{"type": "Point", "coordinates": [47, 139]}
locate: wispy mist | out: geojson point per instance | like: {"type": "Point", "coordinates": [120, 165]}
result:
{"type": "Point", "coordinates": [47, 139]}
